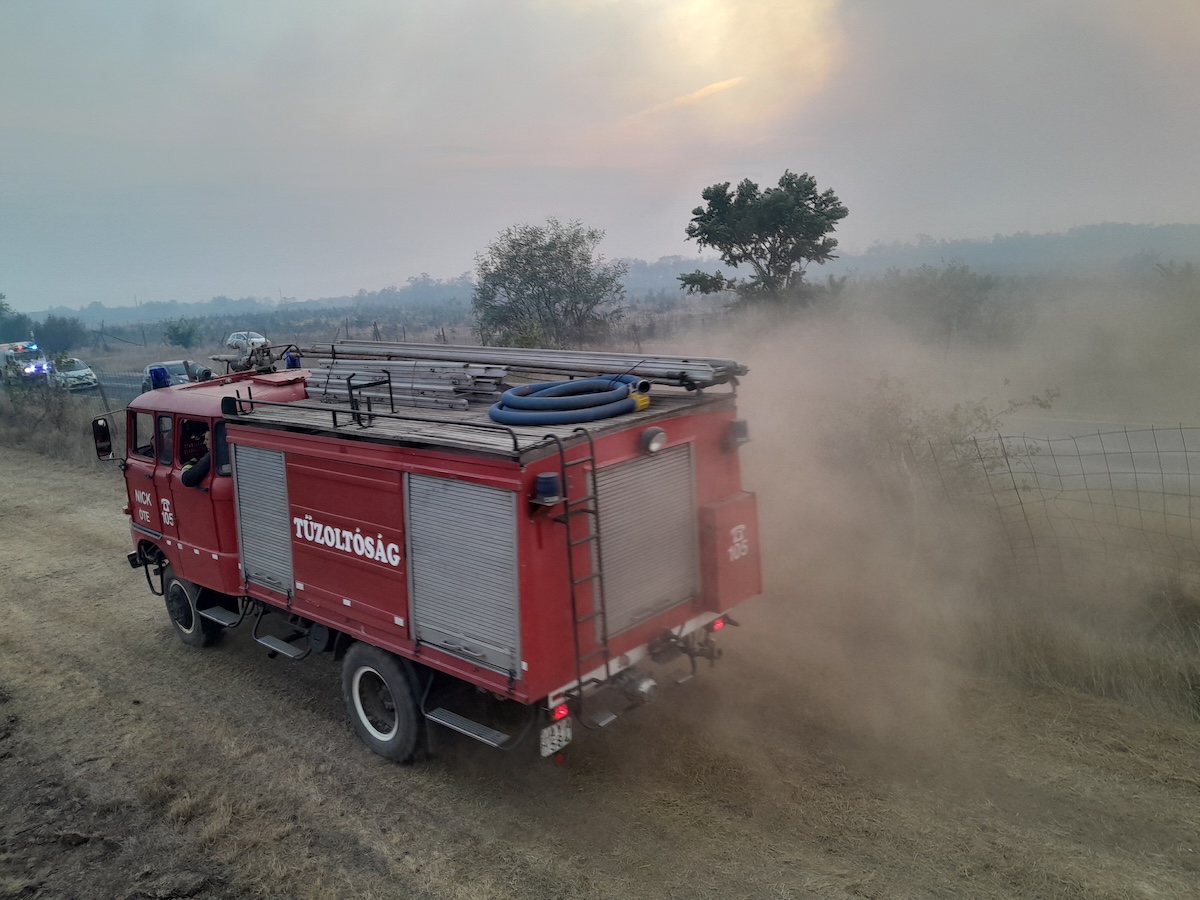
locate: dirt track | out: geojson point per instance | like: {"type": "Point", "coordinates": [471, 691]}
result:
{"type": "Point", "coordinates": [132, 766]}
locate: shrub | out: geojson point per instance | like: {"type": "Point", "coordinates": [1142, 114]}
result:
{"type": "Point", "coordinates": [51, 422]}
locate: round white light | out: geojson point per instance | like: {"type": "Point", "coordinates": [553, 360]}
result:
{"type": "Point", "coordinates": [653, 440]}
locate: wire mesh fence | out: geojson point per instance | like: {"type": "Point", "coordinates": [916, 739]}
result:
{"type": "Point", "coordinates": [1108, 501]}
{"type": "Point", "coordinates": [117, 388]}
{"type": "Point", "coordinates": [109, 396]}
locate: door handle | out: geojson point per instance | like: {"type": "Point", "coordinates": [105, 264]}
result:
{"type": "Point", "coordinates": [466, 651]}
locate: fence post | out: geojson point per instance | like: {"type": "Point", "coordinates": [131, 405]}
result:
{"type": "Point", "coordinates": [1137, 490]}
{"type": "Point", "coordinates": [1162, 487]}
{"type": "Point", "coordinates": [1037, 557]}
{"type": "Point", "coordinates": [1187, 467]}
{"type": "Point", "coordinates": [103, 394]}
{"type": "Point", "coordinates": [1012, 550]}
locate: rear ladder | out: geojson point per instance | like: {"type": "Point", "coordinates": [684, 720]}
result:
{"type": "Point", "coordinates": [583, 511]}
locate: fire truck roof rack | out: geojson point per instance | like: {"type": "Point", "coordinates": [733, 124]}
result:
{"type": "Point", "coordinates": [685, 371]}
{"type": "Point", "coordinates": [362, 416]}
{"type": "Point", "coordinates": [410, 382]}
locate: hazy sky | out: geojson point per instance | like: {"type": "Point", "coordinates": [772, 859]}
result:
{"type": "Point", "coordinates": [185, 150]}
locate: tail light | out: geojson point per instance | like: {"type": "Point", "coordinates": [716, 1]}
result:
{"type": "Point", "coordinates": [720, 622]}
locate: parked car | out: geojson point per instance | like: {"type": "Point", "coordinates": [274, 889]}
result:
{"type": "Point", "coordinates": [75, 375]}
{"type": "Point", "coordinates": [245, 340]}
{"type": "Point", "coordinates": [179, 371]}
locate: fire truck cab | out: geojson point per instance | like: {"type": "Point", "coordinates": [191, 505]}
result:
{"type": "Point", "coordinates": [498, 573]}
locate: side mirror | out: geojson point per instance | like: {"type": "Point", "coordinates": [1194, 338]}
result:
{"type": "Point", "coordinates": [102, 437]}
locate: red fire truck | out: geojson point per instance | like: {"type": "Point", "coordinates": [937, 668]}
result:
{"type": "Point", "coordinates": [494, 571]}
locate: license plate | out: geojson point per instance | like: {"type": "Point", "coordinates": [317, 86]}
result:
{"type": "Point", "coordinates": [556, 736]}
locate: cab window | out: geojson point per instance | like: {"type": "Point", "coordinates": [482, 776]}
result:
{"type": "Point", "coordinates": [193, 440]}
{"type": "Point", "coordinates": [142, 437]}
{"type": "Point", "coordinates": [164, 434]}
{"type": "Point", "coordinates": [222, 447]}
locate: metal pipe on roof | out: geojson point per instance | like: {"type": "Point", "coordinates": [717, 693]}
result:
{"type": "Point", "coordinates": [662, 369]}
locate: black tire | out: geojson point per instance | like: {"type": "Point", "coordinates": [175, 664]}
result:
{"type": "Point", "coordinates": [379, 698]}
{"type": "Point", "coordinates": [180, 597]}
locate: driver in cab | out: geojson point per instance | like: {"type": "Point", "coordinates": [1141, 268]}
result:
{"type": "Point", "coordinates": [193, 447]}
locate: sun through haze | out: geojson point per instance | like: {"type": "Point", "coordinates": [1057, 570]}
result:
{"type": "Point", "coordinates": [183, 151]}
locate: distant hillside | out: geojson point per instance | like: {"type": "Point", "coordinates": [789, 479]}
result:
{"type": "Point", "coordinates": [1111, 248]}
{"type": "Point", "coordinates": [421, 293]}
{"type": "Point", "coordinates": [1108, 249]}
{"type": "Point", "coordinates": [418, 293]}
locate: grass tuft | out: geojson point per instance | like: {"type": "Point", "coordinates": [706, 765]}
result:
{"type": "Point", "coordinates": [1145, 653]}
{"type": "Point", "coordinates": [52, 423]}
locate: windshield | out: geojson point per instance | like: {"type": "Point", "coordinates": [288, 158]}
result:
{"type": "Point", "coordinates": [72, 365]}
{"type": "Point", "coordinates": [175, 368]}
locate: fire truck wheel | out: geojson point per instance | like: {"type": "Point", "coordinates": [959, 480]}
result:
{"type": "Point", "coordinates": [379, 697]}
{"type": "Point", "coordinates": [180, 596]}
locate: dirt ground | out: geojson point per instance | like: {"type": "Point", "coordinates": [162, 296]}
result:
{"type": "Point", "coordinates": [133, 766]}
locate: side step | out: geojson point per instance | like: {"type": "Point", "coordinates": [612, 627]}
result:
{"type": "Point", "coordinates": [602, 717]}
{"type": "Point", "coordinates": [220, 615]}
{"type": "Point", "coordinates": [472, 729]}
{"type": "Point", "coordinates": [278, 645]}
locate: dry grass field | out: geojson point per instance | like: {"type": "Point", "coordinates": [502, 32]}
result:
{"type": "Point", "coordinates": [826, 755]}
{"type": "Point", "coordinates": [899, 715]}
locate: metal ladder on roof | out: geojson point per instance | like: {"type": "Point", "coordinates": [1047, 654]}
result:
{"type": "Point", "coordinates": [576, 512]}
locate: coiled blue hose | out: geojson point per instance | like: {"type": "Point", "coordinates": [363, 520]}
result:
{"type": "Point", "coordinates": [570, 402]}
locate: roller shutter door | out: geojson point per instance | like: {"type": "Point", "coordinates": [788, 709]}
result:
{"type": "Point", "coordinates": [647, 535]}
{"type": "Point", "coordinates": [462, 554]}
{"type": "Point", "coordinates": [264, 520]}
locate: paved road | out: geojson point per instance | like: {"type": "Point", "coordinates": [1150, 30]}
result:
{"type": "Point", "coordinates": [1059, 428]}
{"type": "Point", "coordinates": [1068, 454]}
{"type": "Point", "coordinates": [120, 387]}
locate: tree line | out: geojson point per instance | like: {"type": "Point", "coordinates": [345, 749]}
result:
{"type": "Point", "coordinates": [54, 334]}
{"type": "Point", "coordinates": [548, 285]}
